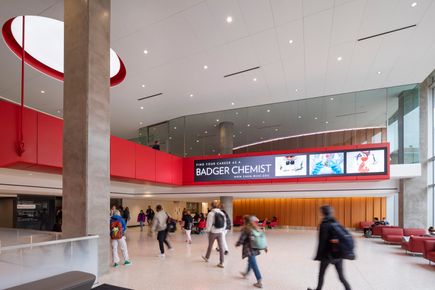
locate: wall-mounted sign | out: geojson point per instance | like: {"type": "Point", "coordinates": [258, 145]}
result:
{"type": "Point", "coordinates": [251, 168]}
{"type": "Point", "coordinates": [284, 166]}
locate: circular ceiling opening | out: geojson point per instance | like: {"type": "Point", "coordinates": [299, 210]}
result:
{"type": "Point", "coordinates": [44, 46]}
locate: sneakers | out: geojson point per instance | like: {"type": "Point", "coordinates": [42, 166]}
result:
{"type": "Point", "coordinates": [220, 265]}
{"type": "Point", "coordinates": [204, 258]}
{"type": "Point", "coordinates": [127, 263]}
{"type": "Point", "coordinates": [244, 274]}
{"type": "Point", "coordinates": [162, 256]}
{"type": "Point", "coordinates": [171, 249]}
{"type": "Point", "coordinates": [115, 265]}
{"type": "Point", "coordinates": [258, 284]}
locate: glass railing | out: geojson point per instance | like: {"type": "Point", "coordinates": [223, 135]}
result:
{"type": "Point", "coordinates": [27, 258]}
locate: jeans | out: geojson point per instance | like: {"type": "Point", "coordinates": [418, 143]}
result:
{"type": "Point", "coordinates": [141, 225]}
{"type": "Point", "coordinates": [224, 239]}
{"type": "Point", "coordinates": [161, 237]}
{"type": "Point", "coordinates": [252, 264]}
{"type": "Point", "coordinates": [339, 267]}
{"type": "Point", "coordinates": [219, 238]}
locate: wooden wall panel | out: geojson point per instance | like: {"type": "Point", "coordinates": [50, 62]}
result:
{"type": "Point", "coordinates": [383, 207]}
{"type": "Point", "coordinates": [377, 207]}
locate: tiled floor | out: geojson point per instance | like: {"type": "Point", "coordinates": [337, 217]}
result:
{"type": "Point", "coordinates": [287, 266]}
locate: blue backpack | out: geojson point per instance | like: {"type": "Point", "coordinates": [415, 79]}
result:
{"type": "Point", "coordinates": [258, 240]}
{"type": "Point", "coordinates": [341, 241]}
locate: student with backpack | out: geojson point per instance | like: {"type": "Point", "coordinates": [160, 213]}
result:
{"type": "Point", "coordinates": [117, 236]}
{"type": "Point", "coordinates": [227, 228]}
{"type": "Point", "coordinates": [253, 240]}
{"type": "Point", "coordinates": [335, 244]}
{"type": "Point", "coordinates": [216, 225]}
{"type": "Point", "coordinates": [160, 226]}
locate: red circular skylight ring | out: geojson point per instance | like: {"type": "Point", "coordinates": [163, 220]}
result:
{"type": "Point", "coordinates": [36, 64]}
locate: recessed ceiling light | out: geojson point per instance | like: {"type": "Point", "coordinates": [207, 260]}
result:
{"type": "Point", "coordinates": [42, 92]}
{"type": "Point", "coordinates": [197, 141]}
{"type": "Point", "coordinates": [339, 58]}
{"type": "Point", "coordinates": [290, 41]}
{"type": "Point", "coordinates": [141, 108]}
{"type": "Point", "coordinates": [234, 136]}
{"type": "Point", "coordinates": [143, 86]}
{"type": "Point", "coordinates": [379, 72]}
{"type": "Point", "coordinates": [140, 134]}
{"type": "Point", "coordinates": [140, 123]}
{"type": "Point", "coordinates": [240, 132]}
{"type": "Point", "coordinates": [268, 110]}
{"type": "Point", "coordinates": [237, 113]}
{"type": "Point", "coordinates": [263, 122]}
{"type": "Point", "coordinates": [191, 95]}
{"type": "Point", "coordinates": [254, 79]}
{"type": "Point", "coordinates": [261, 138]}
{"type": "Point", "coordinates": [326, 122]}
{"type": "Point", "coordinates": [205, 131]}
{"type": "Point", "coordinates": [145, 51]}
{"type": "Point", "coordinates": [58, 111]}
{"type": "Point", "coordinates": [205, 67]}
{"type": "Point", "coordinates": [215, 125]}
{"type": "Point", "coordinates": [229, 19]}
{"type": "Point", "coordinates": [175, 128]}
{"type": "Point", "coordinates": [232, 104]}
{"type": "Point", "coordinates": [315, 118]}
{"type": "Point", "coordinates": [296, 90]}
{"type": "Point", "coordinates": [331, 99]}
{"type": "Point", "coordinates": [413, 4]}
{"type": "Point", "coordinates": [217, 120]}
{"type": "Point", "coordinates": [248, 125]}
{"type": "Point", "coordinates": [276, 129]}
{"type": "Point", "coordinates": [170, 137]}
{"type": "Point", "coordinates": [299, 117]}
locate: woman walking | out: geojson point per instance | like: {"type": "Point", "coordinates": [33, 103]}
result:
{"type": "Point", "coordinates": [248, 239]}
{"type": "Point", "coordinates": [188, 222]}
{"type": "Point", "coordinates": [141, 219]}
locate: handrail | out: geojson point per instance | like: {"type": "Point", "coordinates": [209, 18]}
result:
{"type": "Point", "coordinates": [40, 244]}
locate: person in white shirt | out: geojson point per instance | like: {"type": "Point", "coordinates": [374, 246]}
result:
{"type": "Point", "coordinates": [159, 226]}
{"type": "Point", "coordinates": [216, 224]}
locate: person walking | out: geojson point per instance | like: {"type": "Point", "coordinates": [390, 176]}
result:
{"type": "Point", "coordinates": [188, 223]}
{"type": "Point", "coordinates": [250, 251]}
{"type": "Point", "coordinates": [150, 215]}
{"type": "Point", "coordinates": [126, 215]}
{"type": "Point", "coordinates": [215, 227]}
{"type": "Point", "coordinates": [227, 228]}
{"type": "Point", "coordinates": [160, 226]}
{"type": "Point", "coordinates": [326, 251]}
{"type": "Point", "coordinates": [117, 236]}
{"type": "Point", "coordinates": [141, 219]}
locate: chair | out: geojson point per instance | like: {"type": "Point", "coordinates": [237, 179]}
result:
{"type": "Point", "coordinates": [429, 250]}
{"type": "Point", "coordinates": [392, 235]}
{"type": "Point", "coordinates": [415, 245]}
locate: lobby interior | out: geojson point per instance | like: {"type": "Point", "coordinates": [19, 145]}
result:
{"type": "Point", "coordinates": [272, 108]}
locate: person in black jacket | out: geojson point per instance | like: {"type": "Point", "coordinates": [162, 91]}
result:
{"type": "Point", "coordinates": [188, 223]}
{"type": "Point", "coordinates": [324, 249]}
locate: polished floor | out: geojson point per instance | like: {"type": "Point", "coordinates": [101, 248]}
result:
{"type": "Point", "coordinates": [287, 266]}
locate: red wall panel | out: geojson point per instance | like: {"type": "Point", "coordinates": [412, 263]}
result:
{"type": "Point", "coordinates": [177, 170]}
{"type": "Point", "coordinates": [122, 158]}
{"type": "Point", "coordinates": [164, 169]}
{"type": "Point", "coordinates": [8, 135]}
{"type": "Point", "coordinates": [50, 132]}
{"type": "Point", "coordinates": [145, 163]}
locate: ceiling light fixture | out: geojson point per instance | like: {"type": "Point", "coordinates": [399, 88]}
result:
{"type": "Point", "coordinates": [248, 125]}
{"type": "Point", "coordinates": [217, 120]}
{"type": "Point", "coordinates": [141, 108]}
{"type": "Point", "coordinates": [263, 122]}
{"type": "Point", "coordinates": [331, 99]}
{"type": "Point", "coordinates": [315, 118]}
{"type": "Point", "coordinates": [42, 92]}
{"type": "Point", "coordinates": [229, 19]}
{"type": "Point", "coordinates": [205, 67]}
{"type": "Point", "coordinates": [191, 95]}
{"type": "Point", "coordinates": [143, 86]}
{"type": "Point", "coordinates": [197, 141]}
{"type": "Point", "coordinates": [326, 122]}
{"type": "Point", "coordinates": [268, 110]}
{"type": "Point", "coordinates": [175, 128]}
{"type": "Point", "coordinates": [296, 90]}
{"type": "Point", "coordinates": [232, 104]}
{"type": "Point", "coordinates": [58, 111]}
{"type": "Point", "coordinates": [254, 79]}
{"type": "Point", "coordinates": [237, 113]}
{"type": "Point", "coordinates": [339, 58]}
{"type": "Point", "coordinates": [379, 72]}
{"type": "Point", "coordinates": [205, 131]}
{"type": "Point", "coordinates": [299, 117]}
{"type": "Point", "coordinates": [276, 129]}
{"type": "Point", "coordinates": [140, 123]}
{"type": "Point", "coordinates": [413, 4]}
{"type": "Point", "coordinates": [290, 41]}
{"type": "Point", "coordinates": [234, 136]}
{"type": "Point", "coordinates": [145, 51]}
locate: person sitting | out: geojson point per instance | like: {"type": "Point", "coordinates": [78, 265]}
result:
{"type": "Point", "coordinates": [385, 222]}
{"type": "Point", "coordinates": [201, 225]}
{"type": "Point", "coordinates": [431, 231]}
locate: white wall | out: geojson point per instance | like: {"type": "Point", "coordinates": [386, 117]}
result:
{"type": "Point", "coordinates": [393, 209]}
{"type": "Point", "coordinates": [173, 208]}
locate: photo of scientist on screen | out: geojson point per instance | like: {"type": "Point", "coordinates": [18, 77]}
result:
{"type": "Point", "coordinates": [291, 165]}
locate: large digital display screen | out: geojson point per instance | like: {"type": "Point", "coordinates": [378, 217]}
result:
{"type": "Point", "coordinates": [365, 161]}
{"type": "Point", "coordinates": [331, 163]}
{"type": "Point", "coordinates": [301, 165]}
{"type": "Point", "coordinates": [251, 168]}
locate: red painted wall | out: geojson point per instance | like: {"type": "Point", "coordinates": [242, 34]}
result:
{"type": "Point", "coordinates": [49, 140]}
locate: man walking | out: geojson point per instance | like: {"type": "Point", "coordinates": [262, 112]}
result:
{"type": "Point", "coordinates": [160, 226]}
{"type": "Point", "coordinates": [325, 251]}
{"type": "Point", "coordinates": [117, 236]}
{"type": "Point", "coordinates": [215, 228]}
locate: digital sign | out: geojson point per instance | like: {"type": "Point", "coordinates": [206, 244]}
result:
{"type": "Point", "coordinates": [286, 166]}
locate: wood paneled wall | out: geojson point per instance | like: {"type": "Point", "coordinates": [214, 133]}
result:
{"type": "Point", "coordinates": [354, 137]}
{"type": "Point", "coordinates": [304, 212]}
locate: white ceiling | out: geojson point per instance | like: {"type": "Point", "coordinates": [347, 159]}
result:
{"type": "Point", "coordinates": [182, 36]}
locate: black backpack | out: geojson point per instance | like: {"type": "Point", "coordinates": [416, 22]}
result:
{"type": "Point", "coordinates": [219, 220]}
{"type": "Point", "coordinates": [341, 241]}
{"type": "Point", "coordinates": [171, 224]}
{"type": "Point", "coordinates": [227, 219]}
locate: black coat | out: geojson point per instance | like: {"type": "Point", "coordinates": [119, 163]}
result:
{"type": "Point", "coordinates": [324, 247]}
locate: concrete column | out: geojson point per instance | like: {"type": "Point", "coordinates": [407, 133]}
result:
{"type": "Point", "coordinates": [227, 201]}
{"type": "Point", "coordinates": [226, 131]}
{"type": "Point", "coordinates": [86, 133]}
{"type": "Point", "coordinates": [413, 191]}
